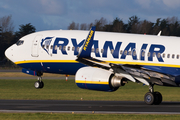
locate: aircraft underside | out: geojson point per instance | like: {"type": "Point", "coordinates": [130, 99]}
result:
{"type": "Point", "coordinates": [97, 81]}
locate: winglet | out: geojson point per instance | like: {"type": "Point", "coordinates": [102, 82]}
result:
{"type": "Point", "coordinates": [87, 46]}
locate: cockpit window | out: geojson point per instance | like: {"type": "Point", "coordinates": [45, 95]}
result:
{"type": "Point", "coordinates": [20, 42]}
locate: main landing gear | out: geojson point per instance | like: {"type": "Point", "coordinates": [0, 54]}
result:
{"type": "Point", "coordinates": [152, 97]}
{"type": "Point", "coordinates": [39, 84]}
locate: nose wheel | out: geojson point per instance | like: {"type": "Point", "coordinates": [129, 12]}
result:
{"type": "Point", "coordinates": [39, 84]}
{"type": "Point", "coordinates": [152, 97]}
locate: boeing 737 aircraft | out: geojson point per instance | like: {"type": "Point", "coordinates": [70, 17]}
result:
{"type": "Point", "coordinates": [101, 61]}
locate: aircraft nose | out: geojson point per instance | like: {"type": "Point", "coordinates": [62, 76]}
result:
{"type": "Point", "coordinates": [9, 53]}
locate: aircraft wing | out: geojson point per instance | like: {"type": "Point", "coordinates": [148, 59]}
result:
{"type": "Point", "coordinates": [135, 73]}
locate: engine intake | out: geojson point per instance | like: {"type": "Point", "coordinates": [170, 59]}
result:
{"type": "Point", "coordinates": [98, 79]}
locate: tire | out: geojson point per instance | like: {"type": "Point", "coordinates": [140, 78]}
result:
{"type": "Point", "coordinates": [37, 84]}
{"type": "Point", "coordinates": [41, 84]}
{"type": "Point", "coordinates": [158, 98]}
{"type": "Point", "coordinates": [149, 98]}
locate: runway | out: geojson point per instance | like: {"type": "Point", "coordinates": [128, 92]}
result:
{"type": "Point", "coordinates": [10, 70]}
{"type": "Point", "coordinates": [59, 106]}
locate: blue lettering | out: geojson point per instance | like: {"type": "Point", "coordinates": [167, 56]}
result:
{"type": "Point", "coordinates": [156, 52]}
{"type": "Point", "coordinates": [57, 41]}
{"type": "Point", "coordinates": [132, 47]}
{"type": "Point", "coordinates": [115, 52]}
{"type": "Point", "coordinates": [74, 42]}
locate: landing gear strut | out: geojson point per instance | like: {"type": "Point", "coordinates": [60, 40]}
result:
{"type": "Point", "coordinates": [152, 97]}
{"type": "Point", "coordinates": [39, 84]}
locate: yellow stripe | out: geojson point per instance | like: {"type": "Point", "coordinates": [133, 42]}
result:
{"type": "Point", "coordinates": [115, 62]}
{"type": "Point", "coordinates": [48, 61]}
{"type": "Point", "coordinates": [91, 82]}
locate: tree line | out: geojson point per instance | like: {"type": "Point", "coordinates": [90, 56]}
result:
{"type": "Point", "coordinates": [9, 37]}
{"type": "Point", "coordinates": [169, 26]}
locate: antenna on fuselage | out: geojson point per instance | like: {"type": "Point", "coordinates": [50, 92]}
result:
{"type": "Point", "coordinates": [159, 34]}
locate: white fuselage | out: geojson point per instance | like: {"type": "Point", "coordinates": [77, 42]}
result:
{"type": "Point", "coordinates": [62, 46]}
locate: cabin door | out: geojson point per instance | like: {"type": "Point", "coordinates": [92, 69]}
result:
{"type": "Point", "coordinates": [35, 46]}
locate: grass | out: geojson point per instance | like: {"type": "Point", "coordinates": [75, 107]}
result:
{"type": "Point", "coordinates": [67, 90]}
{"type": "Point", "coordinates": [55, 116]}
{"type": "Point", "coordinates": [20, 74]}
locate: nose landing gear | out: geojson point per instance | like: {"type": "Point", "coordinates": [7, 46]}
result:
{"type": "Point", "coordinates": [39, 84]}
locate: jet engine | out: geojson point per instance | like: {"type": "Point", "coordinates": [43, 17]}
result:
{"type": "Point", "coordinates": [98, 79]}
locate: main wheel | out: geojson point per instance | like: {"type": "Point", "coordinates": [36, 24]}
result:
{"type": "Point", "coordinates": [149, 98]}
{"type": "Point", "coordinates": [158, 98]}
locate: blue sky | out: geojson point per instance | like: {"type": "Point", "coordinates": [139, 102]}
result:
{"type": "Point", "coordinates": [58, 14]}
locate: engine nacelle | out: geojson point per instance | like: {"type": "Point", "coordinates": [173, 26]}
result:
{"type": "Point", "coordinates": [97, 79]}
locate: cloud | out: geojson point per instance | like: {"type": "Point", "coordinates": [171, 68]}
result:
{"type": "Point", "coordinates": [46, 7]}
{"type": "Point", "coordinates": [144, 3]}
{"type": "Point", "coordinates": [56, 14]}
{"type": "Point", "coordinates": [172, 3]}
{"type": "Point", "coordinates": [52, 7]}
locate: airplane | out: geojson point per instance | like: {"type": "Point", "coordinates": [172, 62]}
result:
{"type": "Point", "coordinates": [102, 61]}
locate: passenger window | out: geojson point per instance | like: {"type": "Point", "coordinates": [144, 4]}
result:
{"type": "Point", "coordinates": [112, 51]}
{"type": "Point", "coordinates": [77, 49]}
{"type": "Point", "coordinates": [173, 56]}
{"type": "Point", "coordinates": [125, 52]}
{"type": "Point", "coordinates": [143, 54]}
{"type": "Point", "coordinates": [43, 46]}
{"type": "Point", "coordinates": [164, 55]}
{"type": "Point", "coordinates": [97, 50]}
{"type": "Point", "coordinates": [64, 48]}
{"type": "Point", "coordinates": [121, 52]}
{"type": "Point", "coordinates": [129, 53]}
{"type": "Point", "coordinates": [159, 55]}
{"type": "Point", "coordinates": [149, 54]}
{"type": "Point", "coordinates": [68, 48]}
{"type": "Point", "coordinates": [55, 47]}
{"type": "Point", "coordinates": [51, 46]}
{"type": "Point", "coordinates": [47, 47]}
{"type": "Point", "coordinates": [92, 50]}
{"type": "Point", "coordinates": [168, 55]}
{"type": "Point", "coordinates": [102, 50]}
{"type": "Point", "coordinates": [134, 53]}
{"type": "Point", "coordinates": [60, 47]}
{"type": "Point", "coordinates": [73, 48]}
{"type": "Point", "coordinates": [154, 54]}
{"type": "Point", "coordinates": [177, 56]}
